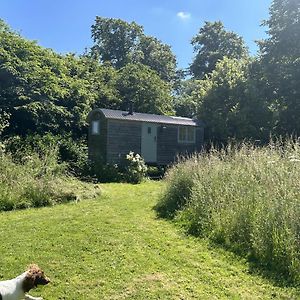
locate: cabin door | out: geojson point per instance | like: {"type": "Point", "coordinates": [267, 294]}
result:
{"type": "Point", "coordinates": [149, 142]}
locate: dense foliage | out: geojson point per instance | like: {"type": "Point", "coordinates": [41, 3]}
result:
{"type": "Point", "coordinates": [280, 58]}
{"type": "Point", "coordinates": [120, 43]}
{"type": "Point", "coordinates": [45, 92]}
{"type": "Point", "coordinates": [41, 91]}
{"type": "Point", "coordinates": [230, 103]}
{"type": "Point", "coordinates": [212, 44]}
{"type": "Point", "coordinates": [141, 85]}
{"type": "Point", "coordinates": [238, 97]}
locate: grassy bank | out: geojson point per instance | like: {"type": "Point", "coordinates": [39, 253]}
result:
{"type": "Point", "coordinates": [245, 198]}
{"type": "Point", "coordinates": [114, 247]}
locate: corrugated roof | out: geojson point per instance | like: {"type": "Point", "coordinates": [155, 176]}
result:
{"type": "Point", "coordinates": [151, 118]}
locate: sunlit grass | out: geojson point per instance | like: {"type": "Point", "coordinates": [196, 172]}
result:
{"type": "Point", "coordinates": [114, 247]}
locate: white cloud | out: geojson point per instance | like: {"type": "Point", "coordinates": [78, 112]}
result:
{"type": "Point", "coordinates": [183, 15]}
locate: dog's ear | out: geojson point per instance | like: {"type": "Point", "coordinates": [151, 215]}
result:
{"type": "Point", "coordinates": [29, 282]}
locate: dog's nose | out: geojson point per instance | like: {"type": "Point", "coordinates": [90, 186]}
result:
{"type": "Point", "coordinates": [47, 280]}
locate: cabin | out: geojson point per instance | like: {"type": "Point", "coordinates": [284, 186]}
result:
{"type": "Point", "coordinates": [158, 139]}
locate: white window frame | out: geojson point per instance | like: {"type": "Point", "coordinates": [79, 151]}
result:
{"type": "Point", "coordinates": [95, 127]}
{"type": "Point", "coordinates": [185, 140]}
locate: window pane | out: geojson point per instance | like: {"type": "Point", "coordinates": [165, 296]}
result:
{"type": "Point", "coordinates": [191, 132]}
{"type": "Point", "coordinates": [182, 133]}
{"type": "Point", "coordinates": [95, 127]}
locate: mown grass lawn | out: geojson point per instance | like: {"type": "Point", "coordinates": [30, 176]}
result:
{"type": "Point", "coordinates": [114, 247]}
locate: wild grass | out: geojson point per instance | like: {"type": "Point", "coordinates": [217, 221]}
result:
{"type": "Point", "coordinates": [34, 180]}
{"type": "Point", "coordinates": [246, 198]}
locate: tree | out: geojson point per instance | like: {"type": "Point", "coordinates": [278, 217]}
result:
{"type": "Point", "coordinates": [149, 93]}
{"type": "Point", "coordinates": [230, 104]}
{"type": "Point", "coordinates": [280, 58]}
{"type": "Point", "coordinates": [186, 100]}
{"type": "Point", "coordinates": [158, 57]}
{"type": "Point", "coordinates": [115, 40]}
{"type": "Point", "coordinates": [211, 44]}
{"type": "Point", "coordinates": [121, 43]}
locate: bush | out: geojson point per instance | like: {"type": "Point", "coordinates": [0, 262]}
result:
{"type": "Point", "coordinates": [134, 168]}
{"type": "Point", "coordinates": [244, 197]}
{"type": "Point", "coordinates": [72, 153]}
{"type": "Point", "coordinates": [102, 172]}
{"type": "Point", "coordinates": [75, 155]}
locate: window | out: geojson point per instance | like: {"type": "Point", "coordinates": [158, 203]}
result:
{"type": "Point", "coordinates": [186, 134]}
{"type": "Point", "coordinates": [95, 127]}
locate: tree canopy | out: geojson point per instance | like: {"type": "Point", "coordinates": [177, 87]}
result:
{"type": "Point", "coordinates": [212, 44]}
{"type": "Point", "coordinates": [120, 43]}
{"type": "Point", "coordinates": [229, 103]}
{"type": "Point", "coordinates": [280, 58]}
{"type": "Point", "coordinates": [141, 85]}
{"type": "Point", "coordinates": [115, 40]}
{"type": "Point", "coordinates": [47, 92]}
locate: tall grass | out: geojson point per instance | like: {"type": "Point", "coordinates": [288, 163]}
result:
{"type": "Point", "coordinates": [31, 180]}
{"type": "Point", "coordinates": [246, 198]}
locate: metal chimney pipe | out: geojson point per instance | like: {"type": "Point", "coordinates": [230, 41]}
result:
{"type": "Point", "coordinates": [131, 104]}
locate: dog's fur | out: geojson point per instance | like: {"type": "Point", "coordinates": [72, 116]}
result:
{"type": "Point", "coordinates": [16, 289]}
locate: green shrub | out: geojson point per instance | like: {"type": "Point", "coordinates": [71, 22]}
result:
{"type": "Point", "coordinates": [132, 169]}
{"type": "Point", "coordinates": [156, 172]}
{"type": "Point", "coordinates": [72, 153]}
{"type": "Point", "coordinates": [244, 197]}
{"type": "Point", "coordinates": [75, 155]}
{"type": "Point", "coordinates": [103, 172]}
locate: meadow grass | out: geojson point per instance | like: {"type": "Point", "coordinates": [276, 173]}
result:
{"type": "Point", "coordinates": [244, 197]}
{"type": "Point", "coordinates": [114, 247]}
{"type": "Point", "coordinates": [32, 180]}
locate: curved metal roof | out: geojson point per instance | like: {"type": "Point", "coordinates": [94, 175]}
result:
{"type": "Point", "coordinates": [143, 117]}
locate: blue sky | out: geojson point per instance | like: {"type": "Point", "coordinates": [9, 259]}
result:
{"type": "Point", "coordinates": [64, 25]}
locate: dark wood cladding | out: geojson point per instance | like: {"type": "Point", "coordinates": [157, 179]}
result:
{"type": "Point", "coordinates": [122, 137]}
{"type": "Point", "coordinates": [168, 147]}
